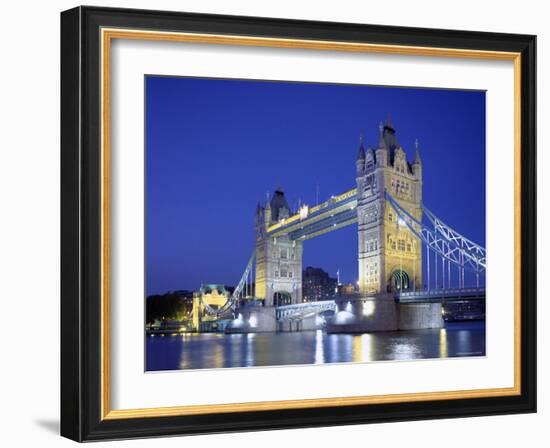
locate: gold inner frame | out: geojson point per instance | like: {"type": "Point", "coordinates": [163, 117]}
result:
{"type": "Point", "coordinates": [107, 35]}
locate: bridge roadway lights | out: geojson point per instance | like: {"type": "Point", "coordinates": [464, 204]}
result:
{"type": "Point", "coordinates": [253, 319]}
{"type": "Point", "coordinates": [379, 312]}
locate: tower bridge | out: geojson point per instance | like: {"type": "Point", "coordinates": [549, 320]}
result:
{"type": "Point", "coordinates": [409, 260]}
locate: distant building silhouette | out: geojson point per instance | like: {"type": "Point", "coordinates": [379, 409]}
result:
{"type": "Point", "coordinates": [317, 285]}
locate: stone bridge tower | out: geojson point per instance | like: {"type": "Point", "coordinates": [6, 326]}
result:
{"type": "Point", "coordinates": [278, 259]}
{"type": "Point", "coordinates": [390, 255]}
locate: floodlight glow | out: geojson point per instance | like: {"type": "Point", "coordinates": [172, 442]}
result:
{"type": "Point", "coordinates": [368, 308]}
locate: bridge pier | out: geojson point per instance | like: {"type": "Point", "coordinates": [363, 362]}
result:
{"type": "Point", "coordinates": [380, 312]}
{"type": "Point", "coordinates": [312, 323]}
{"type": "Point", "coordinates": [306, 324]}
{"type": "Point", "coordinates": [420, 315]}
{"type": "Point", "coordinates": [361, 314]}
{"type": "Point", "coordinates": [353, 314]}
{"type": "Point", "coordinates": [289, 326]}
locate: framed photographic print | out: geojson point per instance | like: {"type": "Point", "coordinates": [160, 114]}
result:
{"type": "Point", "coordinates": [276, 224]}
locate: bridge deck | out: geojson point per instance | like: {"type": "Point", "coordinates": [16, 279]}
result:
{"type": "Point", "coordinates": [304, 310]}
{"type": "Point", "coordinates": [337, 212]}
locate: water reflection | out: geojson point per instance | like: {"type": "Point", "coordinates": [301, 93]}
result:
{"type": "Point", "coordinates": [405, 350]}
{"type": "Point", "coordinates": [249, 349]}
{"type": "Point", "coordinates": [362, 348]}
{"type": "Point", "coordinates": [443, 352]}
{"type": "Point", "coordinates": [211, 351]}
{"type": "Point", "coordinates": [319, 347]}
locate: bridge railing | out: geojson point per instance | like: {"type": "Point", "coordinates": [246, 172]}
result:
{"type": "Point", "coordinates": [302, 310]}
{"type": "Point", "coordinates": [435, 292]}
{"type": "Point", "coordinates": [297, 306]}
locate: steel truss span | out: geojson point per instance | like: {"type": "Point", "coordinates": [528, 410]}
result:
{"type": "Point", "coordinates": [444, 241]}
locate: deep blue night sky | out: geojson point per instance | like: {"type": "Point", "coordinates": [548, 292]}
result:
{"type": "Point", "coordinates": [215, 147]}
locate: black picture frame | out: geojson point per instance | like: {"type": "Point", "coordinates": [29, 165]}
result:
{"type": "Point", "coordinates": [81, 380]}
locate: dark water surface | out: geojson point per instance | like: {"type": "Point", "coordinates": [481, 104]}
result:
{"type": "Point", "coordinates": [212, 350]}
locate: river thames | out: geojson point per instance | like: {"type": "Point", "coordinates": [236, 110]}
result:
{"type": "Point", "coordinates": [214, 350]}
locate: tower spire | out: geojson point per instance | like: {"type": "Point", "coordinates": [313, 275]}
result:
{"type": "Point", "coordinates": [361, 155]}
{"type": "Point", "coordinates": [417, 152]}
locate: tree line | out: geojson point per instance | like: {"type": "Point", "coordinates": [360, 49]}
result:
{"type": "Point", "coordinates": [169, 306]}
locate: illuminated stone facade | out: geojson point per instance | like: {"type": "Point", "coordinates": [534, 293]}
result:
{"type": "Point", "coordinates": [390, 255]}
{"type": "Point", "coordinates": [215, 296]}
{"type": "Point", "coordinates": [278, 259]}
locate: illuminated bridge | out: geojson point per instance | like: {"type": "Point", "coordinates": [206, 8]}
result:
{"type": "Point", "coordinates": [445, 247]}
{"type": "Point", "coordinates": [409, 260]}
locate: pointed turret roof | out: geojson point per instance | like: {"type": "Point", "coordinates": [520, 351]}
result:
{"type": "Point", "coordinates": [417, 152]}
{"type": "Point", "coordinates": [361, 155]}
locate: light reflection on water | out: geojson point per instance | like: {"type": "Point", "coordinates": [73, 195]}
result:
{"type": "Point", "coordinates": [211, 351]}
{"type": "Point", "coordinates": [319, 348]}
